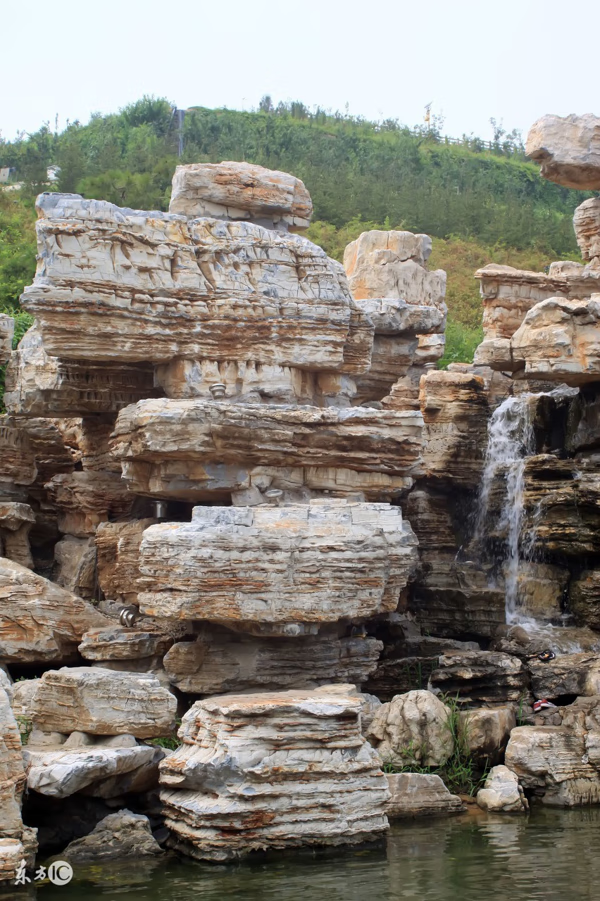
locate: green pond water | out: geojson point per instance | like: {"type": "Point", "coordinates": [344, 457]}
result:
{"type": "Point", "coordinates": [550, 854]}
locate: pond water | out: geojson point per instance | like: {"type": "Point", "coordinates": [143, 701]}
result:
{"type": "Point", "coordinates": [550, 854]}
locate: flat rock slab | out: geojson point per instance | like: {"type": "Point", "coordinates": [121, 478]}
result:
{"type": "Point", "coordinates": [273, 770]}
{"type": "Point", "coordinates": [119, 835]}
{"type": "Point", "coordinates": [300, 563]}
{"type": "Point", "coordinates": [420, 795]}
{"type": "Point", "coordinates": [120, 643]}
{"type": "Point", "coordinates": [103, 702]}
{"type": "Point", "coordinates": [40, 622]}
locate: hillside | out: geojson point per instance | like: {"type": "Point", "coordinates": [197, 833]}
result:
{"type": "Point", "coordinates": [482, 202]}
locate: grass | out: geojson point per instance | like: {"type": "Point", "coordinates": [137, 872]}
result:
{"type": "Point", "coordinates": [25, 727]}
{"type": "Point", "coordinates": [170, 742]}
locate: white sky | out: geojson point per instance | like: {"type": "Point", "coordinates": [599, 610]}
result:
{"type": "Point", "coordinates": [473, 59]}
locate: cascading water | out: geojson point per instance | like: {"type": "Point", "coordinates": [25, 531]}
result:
{"type": "Point", "coordinates": [510, 442]}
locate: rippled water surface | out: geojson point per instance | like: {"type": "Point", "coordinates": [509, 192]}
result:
{"type": "Point", "coordinates": [552, 854]}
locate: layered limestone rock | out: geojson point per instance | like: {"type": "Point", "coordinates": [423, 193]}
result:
{"type": "Point", "coordinates": [118, 836]}
{"type": "Point", "coordinates": [222, 661]}
{"type": "Point", "coordinates": [7, 328]}
{"type": "Point", "coordinates": [272, 770]}
{"type": "Point", "coordinates": [584, 598]}
{"type": "Point", "coordinates": [568, 150]}
{"type": "Point", "coordinates": [16, 521]}
{"type": "Point", "coordinates": [122, 643]}
{"type": "Point", "coordinates": [17, 842]}
{"type": "Point", "coordinates": [586, 222]}
{"type": "Point", "coordinates": [502, 792]}
{"type": "Point", "coordinates": [486, 731]}
{"type": "Point", "coordinates": [118, 560]}
{"type": "Point", "coordinates": [85, 499]}
{"type": "Point", "coordinates": [158, 286]}
{"type": "Point", "coordinates": [41, 385]}
{"type": "Point", "coordinates": [300, 563]}
{"type": "Point", "coordinates": [39, 621]}
{"type": "Point", "coordinates": [195, 449]}
{"type": "Point", "coordinates": [413, 728]}
{"type": "Point", "coordinates": [480, 677]}
{"type": "Point", "coordinates": [420, 795]}
{"type": "Point", "coordinates": [236, 190]}
{"type": "Point", "coordinates": [103, 702]}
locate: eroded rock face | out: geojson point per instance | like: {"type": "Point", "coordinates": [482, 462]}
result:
{"type": "Point", "coordinates": [103, 702]}
{"type": "Point", "coordinates": [7, 328]}
{"type": "Point", "coordinates": [17, 842]}
{"type": "Point", "coordinates": [119, 835]}
{"type": "Point", "coordinates": [584, 598]}
{"type": "Point", "coordinates": [480, 677]}
{"type": "Point", "coordinates": [233, 787]}
{"type": "Point", "coordinates": [317, 562]}
{"type": "Point", "coordinates": [39, 621]}
{"type": "Point", "coordinates": [420, 795]}
{"type": "Point", "coordinates": [486, 731]}
{"type": "Point", "coordinates": [568, 150]}
{"type": "Point", "coordinates": [413, 727]}
{"type": "Point", "coordinates": [196, 448]}
{"type": "Point", "coordinates": [120, 643]}
{"type": "Point", "coordinates": [586, 223]}
{"type": "Point", "coordinates": [502, 792]}
{"type": "Point", "coordinates": [211, 290]}
{"type": "Point", "coordinates": [236, 190]}
{"type": "Point", "coordinates": [220, 661]}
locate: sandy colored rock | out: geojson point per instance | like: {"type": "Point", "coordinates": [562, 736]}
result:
{"type": "Point", "coordinates": [317, 562]}
{"type": "Point", "coordinates": [39, 621]}
{"type": "Point", "coordinates": [23, 693]}
{"type": "Point", "coordinates": [472, 677]}
{"type": "Point", "coordinates": [85, 499]}
{"type": "Point", "coordinates": [420, 795]}
{"type": "Point", "coordinates": [158, 286]}
{"type": "Point", "coordinates": [413, 728]}
{"type": "Point", "coordinates": [7, 328]}
{"type": "Point", "coordinates": [502, 792]}
{"type": "Point", "coordinates": [568, 150]}
{"type": "Point", "coordinates": [120, 643]}
{"type": "Point", "coordinates": [119, 835]}
{"type": "Point", "coordinates": [118, 547]}
{"type": "Point", "coordinates": [235, 786]}
{"type": "Point", "coordinates": [584, 598]}
{"type": "Point", "coordinates": [236, 190]}
{"type": "Point", "coordinates": [16, 521]}
{"type": "Point", "coordinates": [586, 223]}
{"type": "Point", "coordinates": [103, 702]}
{"type": "Point", "coordinates": [12, 772]}
{"type": "Point", "coordinates": [222, 661]}
{"type": "Point", "coordinates": [486, 731]}
{"type": "Point", "coordinates": [75, 570]}
{"type": "Point", "coordinates": [540, 590]}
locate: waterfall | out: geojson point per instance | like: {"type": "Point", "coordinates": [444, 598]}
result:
{"type": "Point", "coordinates": [510, 442]}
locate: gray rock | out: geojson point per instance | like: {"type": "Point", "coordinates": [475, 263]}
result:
{"type": "Point", "coordinates": [122, 834]}
{"type": "Point", "coordinates": [502, 792]}
{"type": "Point", "coordinates": [420, 795]}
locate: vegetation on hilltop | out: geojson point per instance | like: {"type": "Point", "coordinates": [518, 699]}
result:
{"type": "Point", "coordinates": [482, 202]}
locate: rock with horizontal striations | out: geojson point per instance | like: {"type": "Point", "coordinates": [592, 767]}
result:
{"type": "Point", "coordinates": [94, 768]}
{"type": "Point", "coordinates": [566, 674]}
{"type": "Point", "coordinates": [17, 842]}
{"type": "Point", "coordinates": [584, 598]}
{"type": "Point", "coordinates": [23, 693]}
{"type": "Point", "coordinates": [75, 565]}
{"type": "Point", "coordinates": [472, 677]}
{"type": "Point", "coordinates": [103, 702]}
{"type": "Point", "coordinates": [568, 150]}
{"type": "Point", "coordinates": [413, 728]}
{"type": "Point", "coordinates": [502, 792]}
{"type": "Point", "coordinates": [39, 621]}
{"type": "Point", "coordinates": [198, 449]}
{"type": "Point", "coordinates": [121, 643]}
{"type": "Point", "coordinates": [85, 499]}
{"type": "Point", "coordinates": [16, 521]}
{"type": "Point", "coordinates": [40, 385]}
{"type": "Point", "coordinates": [486, 731]}
{"type": "Point", "coordinates": [13, 852]}
{"type": "Point", "coordinates": [223, 661]}
{"type": "Point", "coordinates": [119, 835]}
{"type": "Point", "coordinates": [540, 590]}
{"type": "Point", "coordinates": [586, 222]}
{"type": "Point", "coordinates": [420, 795]}
{"type": "Point", "coordinates": [157, 286]}
{"type": "Point", "coordinates": [7, 328]}
{"type": "Point", "coordinates": [272, 770]}
{"type": "Point", "coordinates": [237, 190]}
{"type": "Point", "coordinates": [558, 763]}
{"type": "Point", "coordinates": [118, 548]}
{"type": "Point", "coordinates": [318, 562]}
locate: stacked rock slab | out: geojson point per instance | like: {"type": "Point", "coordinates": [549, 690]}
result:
{"type": "Point", "coordinates": [17, 842]}
{"type": "Point", "coordinates": [272, 770]}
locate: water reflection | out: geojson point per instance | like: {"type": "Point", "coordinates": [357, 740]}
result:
{"type": "Point", "coordinates": [549, 855]}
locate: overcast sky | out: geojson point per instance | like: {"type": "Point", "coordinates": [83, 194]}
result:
{"type": "Point", "coordinates": [472, 59]}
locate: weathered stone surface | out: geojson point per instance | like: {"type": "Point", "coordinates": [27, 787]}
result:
{"type": "Point", "coordinates": [540, 590]}
{"type": "Point", "coordinates": [480, 677]}
{"type": "Point", "coordinates": [557, 762]}
{"type": "Point", "coordinates": [272, 770]}
{"type": "Point", "coordinates": [103, 702]}
{"type": "Point", "coordinates": [14, 851]}
{"type": "Point", "coordinates": [118, 547]}
{"type": "Point", "coordinates": [413, 728]}
{"type": "Point", "coordinates": [39, 621]}
{"type": "Point", "coordinates": [157, 286]}
{"type": "Point", "coordinates": [17, 842]}
{"type": "Point", "coordinates": [420, 795]}
{"type": "Point", "coordinates": [97, 769]}
{"type": "Point", "coordinates": [196, 448]}
{"type": "Point", "coordinates": [22, 696]}
{"type": "Point", "coordinates": [16, 521]}
{"type": "Point", "coordinates": [119, 835]}
{"type": "Point", "coordinates": [235, 190]}
{"type": "Point", "coordinates": [391, 265]}
{"type": "Point", "coordinates": [407, 664]}
{"type": "Point", "coordinates": [486, 731]}
{"type": "Point", "coordinates": [7, 328]}
{"type": "Point", "coordinates": [222, 661]}
{"type": "Point", "coordinates": [568, 150]}
{"type": "Point", "coordinates": [120, 643]}
{"type": "Point", "coordinates": [85, 499]}
{"type": "Point", "coordinates": [584, 598]}
{"type": "Point", "coordinates": [564, 675]}
{"type": "Point", "coordinates": [559, 340]}
{"type": "Point", "coordinates": [502, 792]}
{"type": "Point", "coordinates": [40, 385]}
{"type": "Point", "coordinates": [317, 562]}
{"type": "Point", "coordinates": [455, 411]}
{"type": "Point", "coordinates": [586, 223]}
{"type": "Point", "coordinates": [75, 570]}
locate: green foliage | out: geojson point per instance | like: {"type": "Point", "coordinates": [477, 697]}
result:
{"type": "Point", "coordinates": [25, 727]}
{"type": "Point", "coordinates": [170, 742]}
{"type": "Point", "coordinates": [460, 774]}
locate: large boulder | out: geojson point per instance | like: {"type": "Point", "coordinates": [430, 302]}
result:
{"type": "Point", "coordinates": [119, 835]}
{"type": "Point", "coordinates": [413, 728]}
{"type": "Point", "coordinates": [486, 731]}
{"type": "Point", "coordinates": [502, 792]}
{"type": "Point", "coordinates": [420, 795]}
{"type": "Point", "coordinates": [568, 150]}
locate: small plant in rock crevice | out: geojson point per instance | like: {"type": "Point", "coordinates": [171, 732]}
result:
{"type": "Point", "coordinates": [25, 727]}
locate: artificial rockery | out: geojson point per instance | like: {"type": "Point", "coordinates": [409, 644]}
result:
{"type": "Point", "coordinates": [235, 490]}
